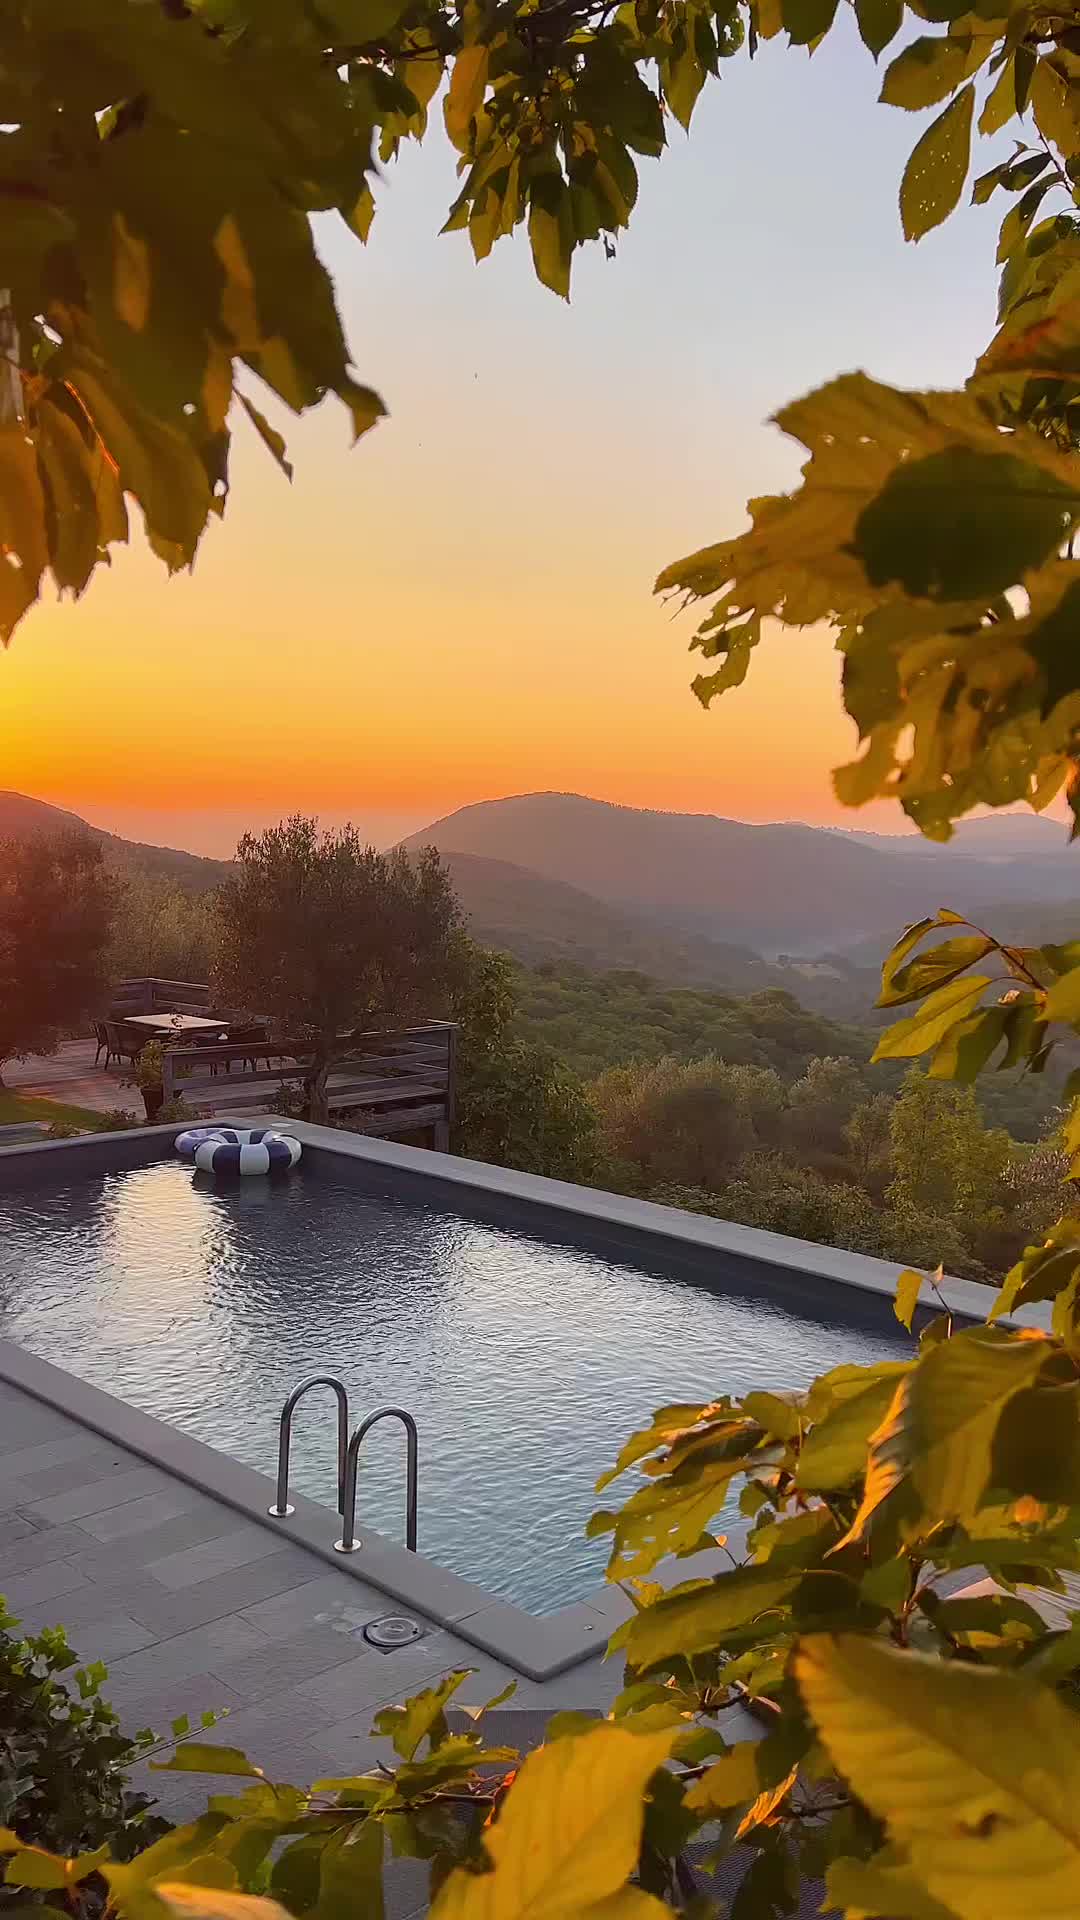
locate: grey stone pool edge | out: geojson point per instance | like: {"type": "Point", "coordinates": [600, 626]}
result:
{"type": "Point", "coordinates": [538, 1646]}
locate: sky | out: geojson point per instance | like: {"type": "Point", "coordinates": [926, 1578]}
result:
{"type": "Point", "coordinates": [460, 607]}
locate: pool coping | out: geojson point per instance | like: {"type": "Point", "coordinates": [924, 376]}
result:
{"type": "Point", "coordinates": [540, 1646]}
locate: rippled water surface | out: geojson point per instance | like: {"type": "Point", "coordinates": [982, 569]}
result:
{"type": "Point", "coordinates": [525, 1361]}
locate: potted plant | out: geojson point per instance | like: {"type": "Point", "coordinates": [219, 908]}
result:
{"type": "Point", "coordinates": [149, 1080]}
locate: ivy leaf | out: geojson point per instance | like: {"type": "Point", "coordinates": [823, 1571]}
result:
{"type": "Point", "coordinates": [568, 1836]}
{"type": "Point", "coordinates": [908, 1288]}
{"type": "Point", "coordinates": [935, 173]}
{"type": "Point", "coordinates": [879, 22]}
{"type": "Point", "coordinates": [990, 1825]}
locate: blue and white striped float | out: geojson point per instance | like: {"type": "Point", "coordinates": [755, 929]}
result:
{"type": "Point", "coordinates": [238, 1149]}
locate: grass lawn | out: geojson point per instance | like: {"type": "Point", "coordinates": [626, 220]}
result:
{"type": "Point", "coordinates": [13, 1107]}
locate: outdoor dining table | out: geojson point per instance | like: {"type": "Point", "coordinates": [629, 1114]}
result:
{"type": "Point", "coordinates": [176, 1024]}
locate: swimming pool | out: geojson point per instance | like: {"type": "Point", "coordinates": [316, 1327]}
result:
{"type": "Point", "coordinates": [525, 1358]}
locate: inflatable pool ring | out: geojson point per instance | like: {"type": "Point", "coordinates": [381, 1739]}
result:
{"type": "Point", "coordinates": [238, 1149]}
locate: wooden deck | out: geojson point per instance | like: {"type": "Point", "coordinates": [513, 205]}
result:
{"type": "Point", "coordinates": [70, 1076]}
{"type": "Point", "coordinates": [393, 1083]}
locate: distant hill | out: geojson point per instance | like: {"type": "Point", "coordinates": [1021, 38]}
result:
{"type": "Point", "coordinates": [21, 818]}
{"type": "Point", "coordinates": [539, 919]}
{"type": "Point", "coordinates": [786, 887]}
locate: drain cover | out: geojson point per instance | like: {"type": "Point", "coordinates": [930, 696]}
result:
{"type": "Point", "coordinates": [393, 1630]}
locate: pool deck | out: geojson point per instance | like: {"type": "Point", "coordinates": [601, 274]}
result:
{"type": "Point", "coordinates": [70, 1076]}
{"type": "Point", "coordinates": [194, 1606]}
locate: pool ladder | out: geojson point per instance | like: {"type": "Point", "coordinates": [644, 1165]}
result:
{"type": "Point", "coordinates": [348, 1457]}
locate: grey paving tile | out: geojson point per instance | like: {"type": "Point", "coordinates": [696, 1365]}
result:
{"type": "Point", "coordinates": [174, 1612]}
{"type": "Point", "coordinates": [374, 1679]}
{"type": "Point", "coordinates": [69, 1445]}
{"type": "Point", "coordinates": [85, 1606]}
{"type": "Point", "coordinates": [106, 1638]}
{"type": "Point", "coordinates": [94, 1463]}
{"type": "Point", "coordinates": [158, 1705]}
{"type": "Point", "coordinates": [153, 1511]}
{"type": "Point", "coordinates": [349, 1746]}
{"type": "Point", "coordinates": [183, 1654]}
{"type": "Point", "coordinates": [17, 1526]}
{"type": "Point", "coordinates": [101, 1494]}
{"type": "Point", "coordinates": [14, 1492]}
{"type": "Point", "coordinates": [238, 1548]}
{"type": "Point", "coordinates": [35, 1550]}
{"type": "Point", "coordinates": [44, 1583]}
{"type": "Point", "coordinates": [406, 1888]}
{"type": "Point", "coordinates": [285, 1663]}
{"type": "Point", "coordinates": [330, 1597]}
{"type": "Point", "coordinates": [26, 1422]}
{"type": "Point", "coordinates": [206, 1520]}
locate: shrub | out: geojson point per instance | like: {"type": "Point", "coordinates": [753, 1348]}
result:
{"type": "Point", "coordinates": [63, 1757]}
{"type": "Point", "coordinates": [117, 1120]}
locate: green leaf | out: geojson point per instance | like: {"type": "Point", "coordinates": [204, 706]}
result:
{"type": "Point", "coordinates": [1063, 999]}
{"type": "Point", "coordinates": [568, 1836]}
{"type": "Point", "coordinates": [1043, 1271]}
{"type": "Point", "coordinates": [202, 1757]}
{"type": "Point", "coordinates": [884, 1884]}
{"type": "Point", "coordinates": [934, 968]}
{"type": "Point", "coordinates": [465, 94]}
{"type": "Point", "coordinates": [834, 1455]}
{"type": "Point", "coordinates": [733, 1781]}
{"type": "Point", "coordinates": [806, 20]}
{"type": "Point", "coordinates": [938, 1435]}
{"type": "Point", "coordinates": [269, 435]}
{"type": "Point", "coordinates": [696, 1620]}
{"type": "Point", "coordinates": [990, 1825]}
{"type": "Point", "coordinates": [964, 523]}
{"type": "Point", "coordinates": [930, 68]}
{"type": "Point", "coordinates": [879, 22]}
{"type": "Point", "coordinates": [1000, 103]}
{"type": "Point", "coordinates": [551, 231]}
{"type": "Point", "coordinates": [924, 1029]}
{"type": "Point", "coordinates": [422, 1717]}
{"type": "Point", "coordinates": [908, 1288]}
{"type": "Point", "coordinates": [935, 173]}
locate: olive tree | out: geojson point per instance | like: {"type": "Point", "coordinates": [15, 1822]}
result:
{"type": "Point", "coordinates": [327, 935]}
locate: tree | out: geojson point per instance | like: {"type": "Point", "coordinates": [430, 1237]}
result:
{"type": "Point", "coordinates": [326, 935]}
{"type": "Point", "coordinates": [517, 1105]}
{"type": "Point", "coordinates": [160, 929]}
{"type": "Point", "coordinates": [56, 906]}
{"type": "Point", "coordinates": [160, 164]}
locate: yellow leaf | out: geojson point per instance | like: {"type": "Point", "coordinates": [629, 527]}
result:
{"type": "Point", "coordinates": [935, 173]}
{"type": "Point", "coordinates": [908, 1288]}
{"type": "Point", "coordinates": [766, 1804]}
{"type": "Point", "coordinates": [976, 1772]}
{"type": "Point", "coordinates": [465, 94]}
{"type": "Point", "coordinates": [568, 1837]}
{"type": "Point", "coordinates": [131, 275]}
{"type": "Point", "coordinates": [731, 1780]}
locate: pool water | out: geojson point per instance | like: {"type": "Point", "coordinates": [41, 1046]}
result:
{"type": "Point", "coordinates": [525, 1360]}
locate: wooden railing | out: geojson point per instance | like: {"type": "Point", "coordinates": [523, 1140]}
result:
{"type": "Point", "coordinates": [401, 1082]}
{"type": "Point", "coordinates": [152, 995]}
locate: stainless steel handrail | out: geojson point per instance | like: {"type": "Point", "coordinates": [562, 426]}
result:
{"type": "Point", "coordinates": [281, 1508]}
{"type": "Point", "coordinates": [348, 1542]}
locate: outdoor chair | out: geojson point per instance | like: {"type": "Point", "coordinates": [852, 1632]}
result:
{"type": "Point", "coordinates": [101, 1036]}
